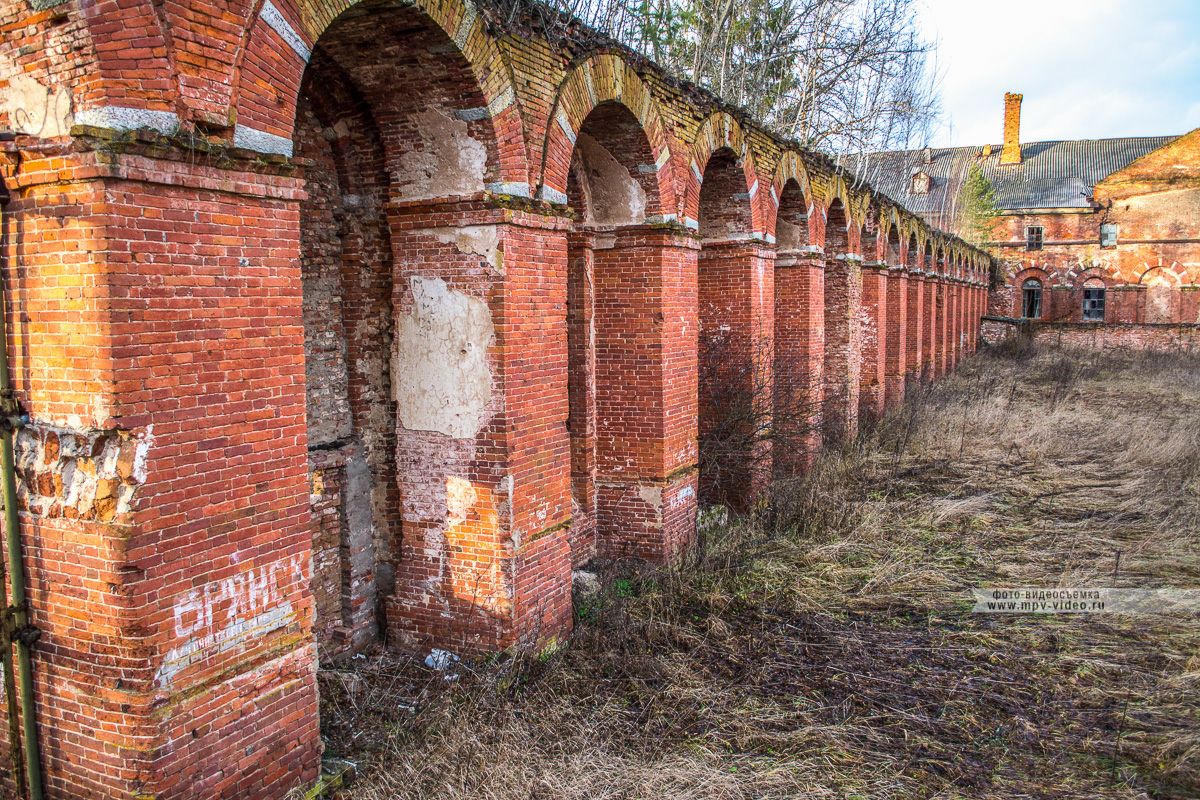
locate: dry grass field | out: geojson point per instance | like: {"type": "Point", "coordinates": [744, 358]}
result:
{"type": "Point", "coordinates": [827, 648]}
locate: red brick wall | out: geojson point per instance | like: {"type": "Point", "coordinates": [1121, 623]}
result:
{"type": "Point", "coordinates": [345, 359]}
{"type": "Point", "coordinates": [1183, 337]}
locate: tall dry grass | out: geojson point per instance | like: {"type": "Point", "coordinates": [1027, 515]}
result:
{"type": "Point", "coordinates": [826, 648]}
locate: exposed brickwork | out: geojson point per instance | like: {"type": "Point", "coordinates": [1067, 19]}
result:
{"type": "Point", "coordinates": [1150, 275]}
{"type": "Point", "coordinates": [1166, 337]}
{"type": "Point", "coordinates": [336, 321]}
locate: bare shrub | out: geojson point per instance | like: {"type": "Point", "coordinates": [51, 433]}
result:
{"type": "Point", "coordinates": [826, 650]}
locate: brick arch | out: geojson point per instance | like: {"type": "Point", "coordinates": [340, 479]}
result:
{"type": "Point", "coordinates": [940, 253]}
{"type": "Point", "coordinates": [277, 46]}
{"type": "Point", "coordinates": [838, 192]}
{"type": "Point", "coordinates": [957, 259]}
{"type": "Point", "coordinates": [604, 78]}
{"type": "Point", "coordinates": [1173, 274]}
{"type": "Point", "coordinates": [720, 131]}
{"type": "Point", "coordinates": [892, 227]}
{"type": "Point", "coordinates": [912, 247]}
{"type": "Point", "coordinates": [874, 211]}
{"type": "Point", "coordinates": [1094, 273]}
{"type": "Point", "coordinates": [789, 168]}
{"type": "Point", "coordinates": [1032, 272]}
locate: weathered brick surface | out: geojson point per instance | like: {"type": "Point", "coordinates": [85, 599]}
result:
{"type": "Point", "coordinates": [1152, 273]}
{"type": "Point", "coordinates": [336, 320]}
{"type": "Point", "coordinates": [1162, 337]}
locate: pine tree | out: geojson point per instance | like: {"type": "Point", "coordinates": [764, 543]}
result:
{"type": "Point", "coordinates": [977, 201]}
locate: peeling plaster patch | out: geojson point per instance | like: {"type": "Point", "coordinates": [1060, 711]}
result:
{"type": "Point", "coordinates": [35, 109]}
{"type": "Point", "coordinates": [477, 240]}
{"type": "Point", "coordinates": [617, 198]}
{"type": "Point", "coordinates": [460, 497]}
{"type": "Point", "coordinates": [448, 163]}
{"type": "Point", "coordinates": [691, 224]}
{"type": "Point", "coordinates": [440, 365]}
{"type": "Point", "coordinates": [663, 157]}
{"type": "Point", "coordinates": [653, 497]}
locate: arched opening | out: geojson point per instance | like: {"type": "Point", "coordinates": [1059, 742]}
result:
{"type": "Point", "coordinates": [399, 340]}
{"type": "Point", "coordinates": [798, 310]}
{"type": "Point", "coordinates": [842, 296]}
{"type": "Point", "coordinates": [872, 327]}
{"type": "Point", "coordinates": [733, 387]}
{"type": "Point", "coordinates": [895, 341]}
{"type": "Point", "coordinates": [791, 224]}
{"type": "Point", "coordinates": [613, 338]}
{"type": "Point", "coordinates": [915, 338]}
{"type": "Point", "coordinates": [1162, 296]}
{"type": "Point", "coordinates": [1031, 299]}
{"type": "Point", "coordinates": [932, 322]}
{"type": "Point", "coordinates": [891, 255]}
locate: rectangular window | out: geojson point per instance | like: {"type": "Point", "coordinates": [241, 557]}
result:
{"type": "Point", "coordinates": [1093, 305]}
{"type": "Point", "coordinates": [1033, 237]}
{"type": "Point", "coordinates": [1108, 234]}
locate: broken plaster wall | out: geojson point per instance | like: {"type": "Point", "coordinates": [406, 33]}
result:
{"type": "Point", "coordinates": [456, 547]}
{"type": "Point", "coordinates": [611, 195]}
{"type": "Point", "coordinates": [346, 288]}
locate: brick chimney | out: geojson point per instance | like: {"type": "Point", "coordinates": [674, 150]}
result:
{"type": "Point", "coordinates": [1011, 154]}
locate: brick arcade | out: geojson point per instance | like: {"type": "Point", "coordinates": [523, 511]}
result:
{"type": "Point", "coordinates": [335, 320]}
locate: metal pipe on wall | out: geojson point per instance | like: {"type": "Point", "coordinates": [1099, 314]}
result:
{"type": "Point", "coordinates": [16, 626]}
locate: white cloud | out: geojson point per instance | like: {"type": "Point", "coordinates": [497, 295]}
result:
{"type": "Point", "coordinates": [1088, 68]}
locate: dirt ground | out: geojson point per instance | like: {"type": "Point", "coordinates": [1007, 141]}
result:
{"type": "Point", "coordinates": [827, 647]}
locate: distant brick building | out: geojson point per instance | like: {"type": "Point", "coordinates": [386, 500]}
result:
{"type": "Point", "coordinates": [1090, 231]}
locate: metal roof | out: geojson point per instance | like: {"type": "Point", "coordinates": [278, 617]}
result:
{"type": "Point", "coordinates": [1051, 174]}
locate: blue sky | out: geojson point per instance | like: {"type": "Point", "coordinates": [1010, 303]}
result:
{"type": "Point", "coordinates": [1089, 69]}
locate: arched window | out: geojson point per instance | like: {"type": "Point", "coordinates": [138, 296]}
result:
{"type": "Point", "coordinates": [1093, 300]}
{"type": "Point", "coordinates": [1031, 297]}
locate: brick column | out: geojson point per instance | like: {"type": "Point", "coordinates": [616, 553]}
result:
{"type": "Point", "coordinates": [896, 360]}
{"type": "Point", "coordinates": [874, 342]}
{"type": "Point", "coordinates": [971, 322]}
{"type": "Point", "coordinates": [646, 392]}
{"type": "Point", "coordinates": [736, 305]}
{"type": "Point", "coordinates": [482, 453]}
{"type": "Point", "coordinates": [968, 314]}
{"type": "Point", "coordinates": [159, 351]}
{"type": "Point", "coordinates": [941, 325]}
{"type": "Point", "coordinates": [799, 357]}
{"type": "Point", "coordinates": [915, 332]}
{"type": "Point", "coordinates": [843, 355]}
{"type": "Point", "coordinates": [954, 351]}
{"type": "Point", "coordinates": [929, 311]}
